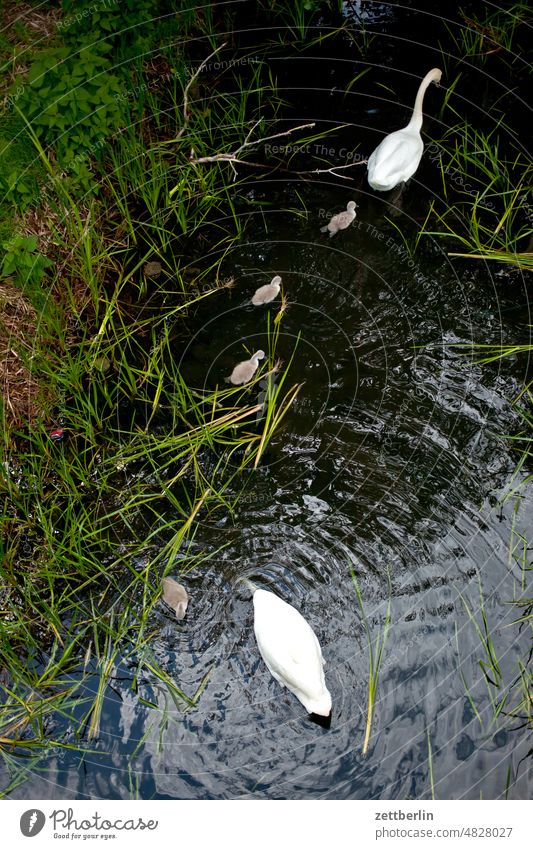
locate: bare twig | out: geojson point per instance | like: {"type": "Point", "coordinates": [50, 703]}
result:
{"type": "Point", "coordinates": [186, 113]}
{"type": "Point", "coordinates": [333, 170]}
{"type": "Point", "coordinates": [233, 157]}
{"type": "Point", "coordinates": [276, 135]}
{"type": "Point", "coordinates": [227, 157]}
{"type": "Point", "coordinates": [250, 133]}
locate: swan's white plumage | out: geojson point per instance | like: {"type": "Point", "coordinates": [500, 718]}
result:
{"type": "Point", "coordinates": [395, 160]}
{"type": "Point", "coordinates": [291, 651]}
{"type": "Point", "coordinates": [398, 156]}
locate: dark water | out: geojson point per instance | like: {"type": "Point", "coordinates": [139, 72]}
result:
{"type": "Point", "coordinates": [389, 463]}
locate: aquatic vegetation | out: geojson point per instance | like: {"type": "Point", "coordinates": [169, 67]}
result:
{"type": "Point", "coordinates": [509, 696]}
{"type": "Point", "coordinates": [296, 19]}
{"type": "Point", "coordinates": [274, 401]}
{"type": "Point", "coordinates": [489, 33]}
{"type": "Point", "coordinates": [485, 197]}
{"type": "Point", "coordinates": [488, 664]}
{"type": "Point", "coordinates": [376, 647]}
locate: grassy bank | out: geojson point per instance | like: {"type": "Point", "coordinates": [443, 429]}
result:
{"type": "Point", "coordinates": [120, 207]}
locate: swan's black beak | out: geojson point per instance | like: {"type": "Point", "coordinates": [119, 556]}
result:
{"type": "Point", "coordinates": [323, 721]}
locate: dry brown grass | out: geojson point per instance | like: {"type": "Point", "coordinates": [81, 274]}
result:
{"type": "Point", "coordinates": [41, 22]}
{"type": "Point", "coordinates": [41, 25]}
{"type": "Point", "coordinates": [24, 399]}
{"type": "Point", "coordinates": [48, 225]}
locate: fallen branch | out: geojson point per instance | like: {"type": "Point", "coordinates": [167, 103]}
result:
{"type": "Point", "coordinates": [233, 157]}
{"type": "Point", "coordinates": [186, 113]}
{"type": "Point", "coordinates": [333, 170]}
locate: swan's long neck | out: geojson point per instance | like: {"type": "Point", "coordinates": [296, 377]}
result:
{"type": "Point", "coordinates": [416, 119]}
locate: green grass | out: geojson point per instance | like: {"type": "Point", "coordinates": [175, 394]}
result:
{"type": "Point", "coordinates": [490, 33]}
{"type": "Point", "coordinates": [90, 525]}
{"type": "Point", "coordinates": [182, 451]}
{"type": "Point", "coordinates": [509, 700]}
{"type": "Point", "coordinates": [484, 201]}
{"type": "Point", "coordinates": [298, 22]}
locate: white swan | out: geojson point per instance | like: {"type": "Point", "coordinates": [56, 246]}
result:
{"type": "Point", "coordinates": [175, 596]}
{"type": "Point", "coordinates": [399, 154]}
{"type": "Point", "coordinates": [243, 372]}
{"type": "Point", "coordinates": [267, 293]}
{"type": "Point", "coordinates": [340, 221]}
{"type": "Point", "coordinates": [291, 651]}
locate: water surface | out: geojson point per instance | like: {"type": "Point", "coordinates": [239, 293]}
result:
{"type": "Point", "coordinates": [391, 464]}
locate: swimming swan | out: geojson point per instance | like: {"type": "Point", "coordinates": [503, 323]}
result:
{"type": "Point", "coordinates": [399, 154]}
{"type": "Point", "coordinates": [175, 596]}
{"type": "Point", "coordinates": [340, 221]}
{"type": "Point", "coordinates": [267, 293]}
{"type": "Point", "coordinates": [291, 651]}
{"type": "Point", "coordinates": [243, 372]}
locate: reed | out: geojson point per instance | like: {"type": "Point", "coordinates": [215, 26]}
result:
{"type": "Point", "coordinates": [509, 697]}
{"type": "Point", "coordinates": [484, 208]}
{"type": "Point", "coordinates": [490, 33]}
{"type": "Point", "coordinates": [376, 647]}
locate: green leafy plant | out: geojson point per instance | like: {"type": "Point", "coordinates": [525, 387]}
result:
{"type": "Point", "coordinates": [73, 100]}
{"type": "Point", "coordinates": [20, 173]}
{"type": "Point", "coordinates": [18, 190]}
{"type": "Point", "coordinates": [131, 27]}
